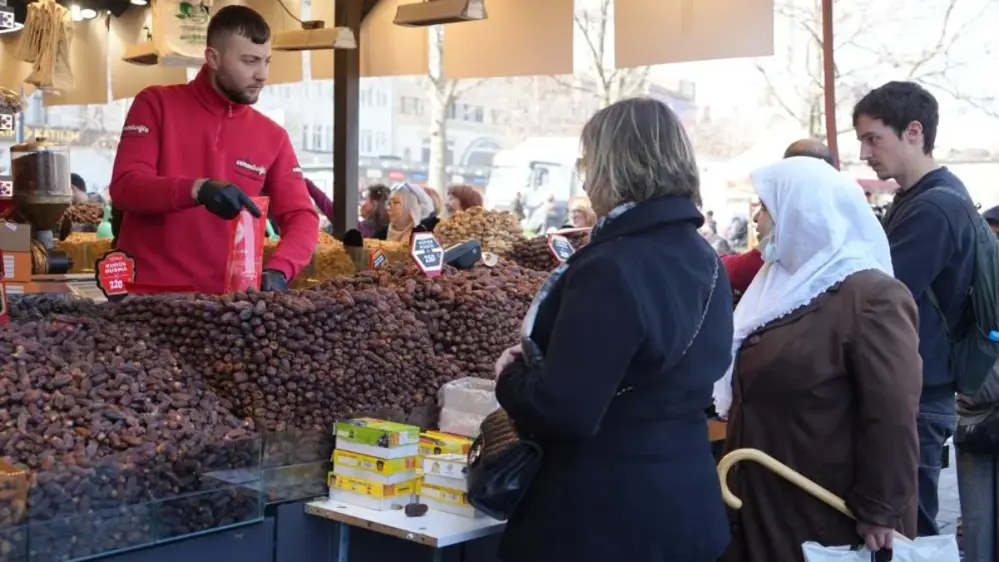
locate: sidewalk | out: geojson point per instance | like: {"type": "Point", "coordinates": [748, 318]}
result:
{"type": "Point", "coordinates": [950, 504]}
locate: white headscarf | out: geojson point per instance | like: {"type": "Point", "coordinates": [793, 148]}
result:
{"type": "Point", "coordinates": [824, 231]}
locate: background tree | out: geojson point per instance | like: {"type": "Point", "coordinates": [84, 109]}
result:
{"type": "Point", "coordinates": [442, 93]}
{"type": "Point", "coordinates": [927, 41]}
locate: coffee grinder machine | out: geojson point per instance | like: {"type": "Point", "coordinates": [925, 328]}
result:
{"type": "Point", "coordinates": [40, 174]}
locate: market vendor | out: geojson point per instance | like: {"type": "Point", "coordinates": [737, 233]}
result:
{"type": "Point", "coordinates": [192, 155]}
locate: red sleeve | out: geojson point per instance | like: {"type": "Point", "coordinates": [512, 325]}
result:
{"type": "Point", "coordinates": [742, 268]}
{"type": "Point", "coordinates": [293, 212]}
{"type": "Point", "coordinates": [135, 184]}
{"type": "Point", "coordinates": [324, 203]}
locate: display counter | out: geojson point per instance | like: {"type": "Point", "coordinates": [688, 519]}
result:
{"type": "Point", "coordinates": [80, 505]}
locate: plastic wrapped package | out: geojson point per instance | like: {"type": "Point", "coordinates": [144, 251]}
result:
{"type": "Point", "coordinates": [465, 403]}
{"type": "Point", "coordinates": [296, 462]}
{"type": "Point", "coordinates": [84, 506]}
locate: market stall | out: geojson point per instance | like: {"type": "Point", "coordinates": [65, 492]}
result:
{"type": "Point", "coordinates": [180, 426]}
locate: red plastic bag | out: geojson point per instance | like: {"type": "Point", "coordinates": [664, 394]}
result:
{"type": "Point", "coordinates": [147, 289]}
{"type": "Point", "coordinates": [245, 264]}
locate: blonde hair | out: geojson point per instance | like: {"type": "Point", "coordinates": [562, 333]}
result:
{"type": "Point", "coordinates": [635, 150]}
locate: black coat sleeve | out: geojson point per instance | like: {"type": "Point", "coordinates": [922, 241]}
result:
{"type": "Point", "coordinates": [597, 330]}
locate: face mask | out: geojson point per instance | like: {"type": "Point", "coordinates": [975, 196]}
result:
{"type": "Point", "coordinates": [768, 249]}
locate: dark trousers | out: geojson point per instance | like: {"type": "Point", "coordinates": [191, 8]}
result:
{"type": "Point", "coordinates": [935, 424]}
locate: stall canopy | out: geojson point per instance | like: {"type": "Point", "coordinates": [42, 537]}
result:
{"type": "Point", "coordinates": [516, 38]}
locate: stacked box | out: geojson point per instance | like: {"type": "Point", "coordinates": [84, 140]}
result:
{"type": "Point", "coordinates": [439, 443]}
{"type": "Point", "coordinates": [375, 463]}
{"type": "Point", "coordinates": [445, 485]}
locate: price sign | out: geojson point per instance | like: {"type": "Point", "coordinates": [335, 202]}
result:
{"type": "Point", "coordinates": [560, 247]}
{"type": "Point", "coordinates": [114, 272]}
{"type": "Point", "coordinates": [377, 259]}
{"type": "Point", "coordinates": [428, 253]}
{"type": "Point", "coordinates": [4, 314]}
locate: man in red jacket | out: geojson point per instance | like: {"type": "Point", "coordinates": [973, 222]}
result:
{"type": "Point", "coordinates": [192, 155]}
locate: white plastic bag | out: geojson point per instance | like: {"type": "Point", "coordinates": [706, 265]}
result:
{"type": "Point", "coordinates": [464, 404]}
{"type": "Point", "coordinates": [180, 29]}
{"type": "Point", "coordinates": [942, 548]}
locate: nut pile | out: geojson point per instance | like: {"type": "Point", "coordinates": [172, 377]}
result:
{"type": "Point", "coordinates": [496, 231]}
{"type": "Point", "coordinates": [535, 254]}
{"type": "Point", "coordinates": [84, 214]}
{"type": "Point", "coordinates": [105, 422]}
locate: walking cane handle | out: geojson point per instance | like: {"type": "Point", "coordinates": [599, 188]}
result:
{"type": "Point", "coordinates": [785, 472]}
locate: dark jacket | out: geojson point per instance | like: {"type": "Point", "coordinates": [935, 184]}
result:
{"type": "Point", "coordinates": [932, 245]}
{"type": "Point", "coordinates": [426, 225]}
{"type": "Point", "coordinates": [627, 477]}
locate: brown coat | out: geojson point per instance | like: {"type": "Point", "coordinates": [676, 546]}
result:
{"type": "Point", "coordinates": [832, 391]}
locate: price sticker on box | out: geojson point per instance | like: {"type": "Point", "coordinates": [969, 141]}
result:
{"type": "Point", "coordinates": [377, 259]}
{"type": "Point", "coordinates": [114, 272]}
{"type": "Point", "coordinates": [428, 253]}
{"type": "Point", "coordinates": [560, 247]}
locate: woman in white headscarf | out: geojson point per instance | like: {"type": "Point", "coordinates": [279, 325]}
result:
{"type": "Point", "coordinates": [826, 372]}
{"type": "Point", "coordinates": [410, 210]}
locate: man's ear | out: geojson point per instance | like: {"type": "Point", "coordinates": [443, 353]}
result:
{"type": "Point", "coordinates": [212, 57]}
{"type": "Point", "coordinates": [914, 132]}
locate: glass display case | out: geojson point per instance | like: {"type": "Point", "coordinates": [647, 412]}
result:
{"type": "Point", "coordinates": [84, 506]}
{"type": "Point", "coordinates": [296, 463]}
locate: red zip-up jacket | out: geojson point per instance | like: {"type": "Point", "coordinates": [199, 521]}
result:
{"type": "Point", "coordinates": [175, 135]}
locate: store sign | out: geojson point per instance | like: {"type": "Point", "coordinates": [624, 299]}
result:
{"type": "Point", "coordinates": [428, 253]}
{"type": "Point", "coordinates": [560, 247]}
{"type": "Point", "coordinates": [377, 259]}
{"type": "Point", "coordinates": [114, 272]}
{"type": "Point", "coordinates": [61, 136]}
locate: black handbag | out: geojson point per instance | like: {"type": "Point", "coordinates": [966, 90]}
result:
{"type": "Point", "coordinates": [503, 460]}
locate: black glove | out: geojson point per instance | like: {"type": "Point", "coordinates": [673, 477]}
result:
{"type": "Point", "coordinates": [225, 200]}
{"type": "Point", "coordinates": [273, 280]}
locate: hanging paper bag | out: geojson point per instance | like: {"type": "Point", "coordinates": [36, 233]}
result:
{"type": "Point", "coordinates": [941, 548]}
{"type": "Point", "coordinates": [180, 31]}
{"type": "Point", "coordinates": [245, 263]}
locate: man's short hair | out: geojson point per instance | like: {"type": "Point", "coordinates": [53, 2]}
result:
{"type": "Point", "coordinates": [897, 104]}
{"type": "Point", "coordinates": [238, 20]}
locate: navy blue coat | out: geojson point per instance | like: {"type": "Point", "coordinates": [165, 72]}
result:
{"type": "Point", "coordinates": [627, 477]}
{"type": "Point", "coordinates": [932, 246]}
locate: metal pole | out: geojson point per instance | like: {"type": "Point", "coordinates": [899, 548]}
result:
{"type": "Point", "coordinates": [829, 79]}
{"type": "Point", "coordinates": [346, 120]}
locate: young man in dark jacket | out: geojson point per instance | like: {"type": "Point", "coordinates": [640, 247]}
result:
{"type": "Point", "coordinates": [932, 245]}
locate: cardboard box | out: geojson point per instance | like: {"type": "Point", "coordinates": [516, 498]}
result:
{"type": "Point", "coordinates": [16, 266]}
{"type": "Point", "coordinates": [15, 237]}
{"type": "Point", "coordinates": [377, 438]}
{"type": "Point", "coordinates": [366, 467]}
{"type": "Point", "coordinates": [436, 443]}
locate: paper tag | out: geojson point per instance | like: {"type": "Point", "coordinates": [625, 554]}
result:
{"type": "Point", "coordinates": [560, 247]}
{"type": "Point", "coordinates": [377, 259]}
{"type": "Point", "coordinates": [114, 272]}
{"type": "Point", "coordinates": [427, 253]}
{"type": "Point", "coordinates": [489, 259]}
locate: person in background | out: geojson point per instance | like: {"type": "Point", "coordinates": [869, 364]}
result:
{"type": "Point", "coordinates": [410, 210]}
{"type": "Point", "coordinates": [462, 198]}
{"type": "Point", "coordinates": [840, 409]}
{"type": "Point", "coordinates": [192, 155]}
{"type": "Point", "coordinates": [374, 210]}
{"type": "Point", "coordinates": [812, 148]}
{"type": "Point", "coordinates": [319, 198]}
{"type": "Point", "coordinates": [627, 366]}
{"type": "Point", "coordinates": [992, 217]}
{"type": "Point", "coordinates": [79, 189]}
{"type": "Point", "coordinates": [518, 207]}
{"type": "Point", "coordinates": [933, 248]}
{"type": "Point", "coordinates": [582, 216]}
{"type": "Point", "coordinates": [435, 198]}
{"type": "Point", "coordinates": [709, 222]}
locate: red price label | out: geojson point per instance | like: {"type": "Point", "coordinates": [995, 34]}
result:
{"type": "Point", "coordinates": [428, 253]}
{"type": "Point", "coordinates": [377, 259]}
{"type": "Point", "coordinates": [115, 271]}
